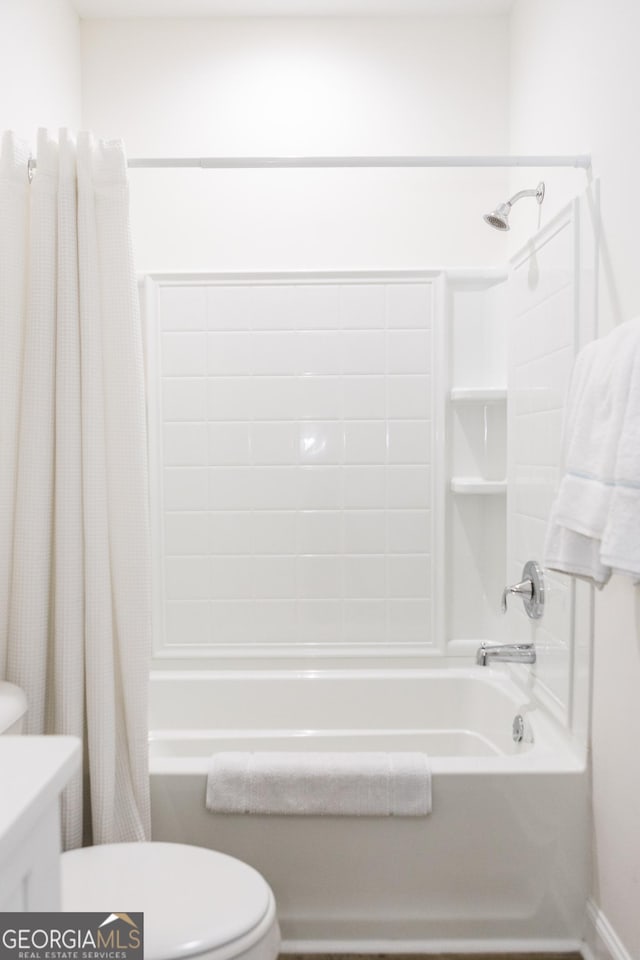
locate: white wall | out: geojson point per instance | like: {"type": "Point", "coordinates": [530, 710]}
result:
{"type": "Point", "coordinates": [39, 66]}
{"type": "Point", "coordinates": [575, 77]}
{"type": "Point", "coordinates": [308, 86]}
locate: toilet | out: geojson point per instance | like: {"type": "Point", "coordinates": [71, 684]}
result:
{"type": "Point", "coordinates": [197, 903]}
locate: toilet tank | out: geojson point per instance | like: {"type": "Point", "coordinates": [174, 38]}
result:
{"type": "Point", "coordinates": [13, 707]}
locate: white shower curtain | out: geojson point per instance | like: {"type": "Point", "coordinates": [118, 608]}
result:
{"type": "Point", "coordinates": [75, 596]}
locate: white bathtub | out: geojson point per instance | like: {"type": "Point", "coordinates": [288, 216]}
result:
{"type": "Point", "coordinates": [501, 863]}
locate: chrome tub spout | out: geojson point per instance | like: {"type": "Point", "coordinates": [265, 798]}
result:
{"type": "Point", "coordinates": [505, 653]}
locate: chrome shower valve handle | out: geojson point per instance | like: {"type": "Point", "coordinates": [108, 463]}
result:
{"type": "Point", "coordinates": [530, 588]}
{"type": "Point", "coordinates": [523, 589]}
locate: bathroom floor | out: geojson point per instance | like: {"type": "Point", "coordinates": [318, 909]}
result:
{"type": "Point", "coordinates": [432, 956]}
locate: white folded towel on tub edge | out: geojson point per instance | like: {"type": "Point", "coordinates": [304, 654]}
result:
{"type": "Point", "coordinates": [366, 784]}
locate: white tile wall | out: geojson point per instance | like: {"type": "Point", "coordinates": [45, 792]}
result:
{"type": "Point", "coordinates": [296, 447]}
{"type": "Point", "coordinates": [184, 354]}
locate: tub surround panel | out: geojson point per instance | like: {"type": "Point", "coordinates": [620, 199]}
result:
{"type": "Point", "coordinates": [551, 305]}
{"type": "Point", "coordinates": [294, 436]}
{"type": "Point", "coordinates": [475, 392]}
{"type": "Point", "coordinates": [323, 445]}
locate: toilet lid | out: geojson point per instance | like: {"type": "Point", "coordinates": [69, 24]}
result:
{"type": "Point", "coordinates": [194, 900]}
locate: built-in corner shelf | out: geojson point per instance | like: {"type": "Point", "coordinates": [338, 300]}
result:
{"type": "Point", "coordinates": [480, 412]}
{"type": "Point", "coordinates": [477, 486]}
{"type": "Point", "coordinates": [478, 394]}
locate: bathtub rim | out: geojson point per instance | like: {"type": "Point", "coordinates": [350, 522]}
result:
{"type": "Point", "coordinates": [555, 750]}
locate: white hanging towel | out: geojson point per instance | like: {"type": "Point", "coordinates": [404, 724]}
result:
{"type": "Point", "coordinates": [343, 784]}
{"type": "Point", "coordinates": [573, 553]}
{"type": "Point", "coordinates": [621, 537]}
{"type": "Point", "coordinates": [595, 520]}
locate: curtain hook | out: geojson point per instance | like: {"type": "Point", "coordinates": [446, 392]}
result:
{"type": "Point", "coordinates": [30, 167]}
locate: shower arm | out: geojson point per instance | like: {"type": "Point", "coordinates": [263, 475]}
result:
{"type": "Point", "coordinates": [537, 192]}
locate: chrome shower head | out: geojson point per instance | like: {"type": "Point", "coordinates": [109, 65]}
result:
{"type": "Point", "coordinates": [499, 218]}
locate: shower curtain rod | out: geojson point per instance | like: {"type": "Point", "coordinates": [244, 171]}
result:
{"type": "Point", "coordinates": [274, 163]}
{"type": "Point", "coordinates": [241, 163]}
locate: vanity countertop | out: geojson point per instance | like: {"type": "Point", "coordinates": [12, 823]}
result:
{"type": "Point", "coordinates": [33, 771]}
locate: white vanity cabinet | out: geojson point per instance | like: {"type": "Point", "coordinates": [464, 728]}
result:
{"type": "Point", "coordinates": [33, 773]}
